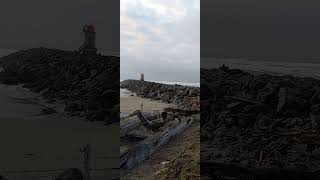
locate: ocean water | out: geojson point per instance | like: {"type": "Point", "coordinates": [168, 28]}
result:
{"type": "Point", "coordinates": [277, 66]}
{"type": "Point", "coordinates": [193, 84]}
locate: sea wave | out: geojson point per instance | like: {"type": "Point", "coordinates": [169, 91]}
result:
{"type": "Point", "coordinates": [179, 83]}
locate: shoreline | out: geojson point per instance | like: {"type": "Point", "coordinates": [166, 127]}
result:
{"type": "Point", "coordinates": [131, 103]}
{"type": "Point", "coordinates": [55, 138]}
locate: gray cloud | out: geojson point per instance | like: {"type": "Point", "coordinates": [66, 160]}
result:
{"type": "Point", "coordinates": [160, 38]}
{"type": "Point", "coordinates": [260, 28]}
{"type": "Point", "coordinates": [57, 24]}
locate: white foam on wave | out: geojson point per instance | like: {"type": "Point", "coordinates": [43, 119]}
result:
{"type": "Point", "coordinates": [179, 83]}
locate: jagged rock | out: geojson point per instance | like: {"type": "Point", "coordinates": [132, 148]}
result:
{"type": "Point", "coordinates": [263, 121]}
{"type": "Point", "coordinates": [296, 122]}
{"type": "Point", "coordinates": [290, 104]}
{"type": "Point", "coordinates": [315, 109]}
{"type": "Point", "coordinates": [315, 99]}
{"type": "Point", "coordinates": [268, 93]}
{"type": "Point", "coordinates": [185, 97]}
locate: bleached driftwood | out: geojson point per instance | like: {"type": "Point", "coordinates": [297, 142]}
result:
{"type": "Point", "coordinates": [136, 154]}
{"type": "Point", "coordinates": [130, 123]}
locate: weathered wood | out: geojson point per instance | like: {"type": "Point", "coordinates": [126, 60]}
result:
{"type": "Point", "coordinates": [132, 122]}
{"type": "Point", "coordinates": [130, 115]}
{"type": "Point", "coordinates": [147, 115]}
{"type": "Point", "coordinates": [151, 115]}
{"type": "Point", "coordinates": [129, 124]}
{"type": "Point", "coordinates": [136, 154]}
{"type": "Point", "coordinates": [152, 125]}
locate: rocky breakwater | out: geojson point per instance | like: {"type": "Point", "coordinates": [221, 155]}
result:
{"type": "Point", "coordinates": [185, 97]}
{"type": "Point", "coordinates": [253, 123]}
{"type": "Point", "coordinates": [89, 85]}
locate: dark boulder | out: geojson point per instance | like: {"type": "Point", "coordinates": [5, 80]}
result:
{"type": "Point", "coordinates": [290, 104]}
{"type": "Point", "coordinates": [185, 97]}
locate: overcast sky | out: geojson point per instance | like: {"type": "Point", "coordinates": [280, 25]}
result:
{"type": "Point", "coordinates": [260, 28]}
{"type": "Point", "coordinates": [57, 23]}
{"type": "Point", "coordinates": [160, 38]}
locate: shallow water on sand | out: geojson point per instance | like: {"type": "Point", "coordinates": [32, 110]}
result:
{"type": "Point", "coordinates": [18, 102]}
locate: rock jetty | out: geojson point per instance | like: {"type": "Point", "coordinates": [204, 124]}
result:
{"type": "Point", "coordinates": [259, 126]}
{"type": "Point", "coordinates": [88, 84]}
{"type": "Point", "coordinates": [185, 97]}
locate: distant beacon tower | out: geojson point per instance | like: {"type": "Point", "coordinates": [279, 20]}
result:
{"type": "Point", "coordinates": [89, 45]}
{"type": "Point", "coordinates": [141, 77]}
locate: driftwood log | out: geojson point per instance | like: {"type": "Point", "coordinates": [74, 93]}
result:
{"type": "Point", "coordinates": [148, 115]}
{"type": "Point", "coordinates": [129, 157]}
{"type": "Point", "coordinates": [134, 120]}
{"type": "Point", "coordinates": [150, 120]}
{"type": "Point", "coordinates": [129, 124]}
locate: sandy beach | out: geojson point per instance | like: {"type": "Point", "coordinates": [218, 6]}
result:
{"type": "Point", "coordinates": [50, 142]}
{"type": "Point", "coordinates": [132, 103]}
{"type": "Point", "coordinates": [129, 102]}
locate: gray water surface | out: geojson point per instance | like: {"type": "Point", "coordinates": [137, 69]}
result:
{"type": "Point", "coordinates": [18, 102]}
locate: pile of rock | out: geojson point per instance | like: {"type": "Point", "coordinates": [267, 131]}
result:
{"type": "Point", "coordinates": [185, 97]}
{"type": "Point", "coordinates": [260, 120]}
{"type": "Point", "coordinates": [89, 85]}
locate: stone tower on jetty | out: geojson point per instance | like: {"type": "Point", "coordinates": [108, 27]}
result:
{"type": "Point", "coordinates": [142, 77]}
{"type": "Point", "coordinates": [89, 45]}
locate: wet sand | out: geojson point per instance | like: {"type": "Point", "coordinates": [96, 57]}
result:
{"type": "Point", "coordinates": [129, 104]}
{"type": "Point", "coordinates": [50, 142]}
